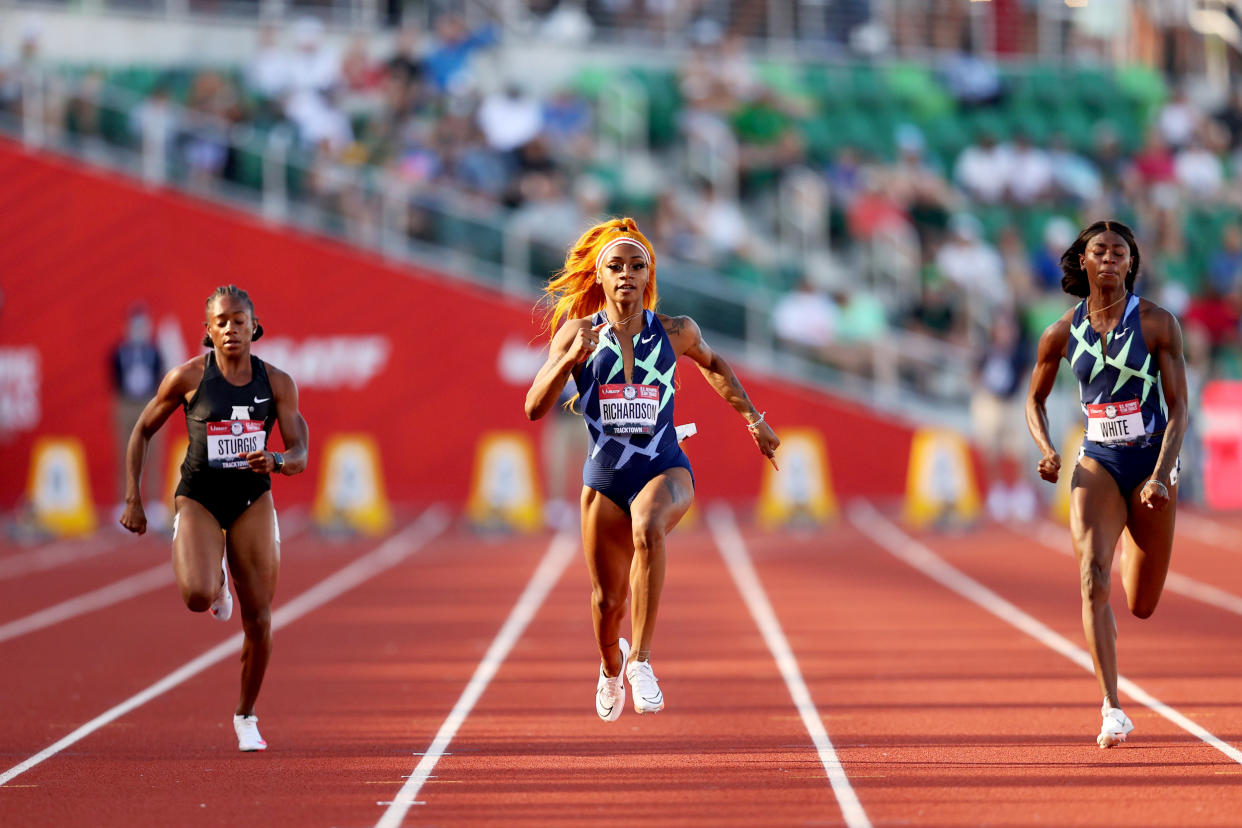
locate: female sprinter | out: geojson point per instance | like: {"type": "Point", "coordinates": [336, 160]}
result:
{"type": "Point", "coordinates": [637, 481]}
{"type": "Point", "coordinates": [1127, 355]}
{"type": "Point", "coordinates": [224, 505]}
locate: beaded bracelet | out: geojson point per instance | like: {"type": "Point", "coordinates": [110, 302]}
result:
{"type": "Point", "coordinates": [1158, 483]}
{"type": "Point", "coordinates": [755, 424]}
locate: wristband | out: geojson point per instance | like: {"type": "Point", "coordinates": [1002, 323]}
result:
{"type": "Point", "coordinates": [755, 424]}
{"type": "Point", "coordinates": [278, 461]}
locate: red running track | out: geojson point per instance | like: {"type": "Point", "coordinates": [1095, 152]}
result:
{"type": "Point", "coordinates": [941, 712]}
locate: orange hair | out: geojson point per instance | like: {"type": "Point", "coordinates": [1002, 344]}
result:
{"type": "Point", "coordinates": [573, 293]}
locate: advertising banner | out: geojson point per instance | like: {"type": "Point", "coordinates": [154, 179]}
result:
{"type": "Point", "coordinates": [421, 363]}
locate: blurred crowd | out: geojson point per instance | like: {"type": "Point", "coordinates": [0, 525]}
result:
{"type": "Point", "coordinates": [966, 232]}
{"type": "Point", "coordinates": [894, 215]}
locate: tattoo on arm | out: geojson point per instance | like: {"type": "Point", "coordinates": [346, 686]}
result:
{"type": "Point", "coordinates": [676, 324]}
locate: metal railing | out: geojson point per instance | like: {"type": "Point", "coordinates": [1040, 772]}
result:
{"type": "Point", "coordinates": [785, 28]}
{"type": "Point", "coordinates": [450, 232]}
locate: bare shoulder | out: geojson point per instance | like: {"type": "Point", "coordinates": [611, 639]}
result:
{"type": "Point", "coordinates": [187, 376]}
{"type": "Point", "coordinates": [569, 329]}
{"type": "Point", "coordinates": [1149, 311]}
{"type": "Point", "coordinates": [571, 326]}
{"type": "Point", "coordinates": [1159, 325]}
{"type": "Point", "coordinates": [1061, 327]}
{"type": "Point", "coordinates": [1053, 340]}
{"type": "Point", "coordinates": [678, 325]}
{"type": "Point", "coordinates": [281, 380]}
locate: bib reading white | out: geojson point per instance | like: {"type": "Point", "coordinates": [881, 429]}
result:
{"type": "Point", "coordinates": [628, 408]}
{"type": "Point", "coordinates": [1114, 422]}
{"type": "Point", "coordinates": [230, 441]}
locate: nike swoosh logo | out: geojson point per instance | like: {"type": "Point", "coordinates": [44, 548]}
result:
{"type": "Point", "coordinates": [265, 399]}
{"type": "Point", "coordinates": [647, 339]}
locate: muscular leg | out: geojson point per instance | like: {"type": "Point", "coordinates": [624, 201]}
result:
{"type": "Point", "coordinates": [1146, 551]}
{"type": "Point", "coordinates": [606, 542]}
{"type": "Point", "coordinates": [655, 511]}
{"type": "Point", "coordinates": [1097, 516]}
{"type": "Point", "coordinates": [198, 546]}
{"type": "Point", "coordinates": [254, 560]}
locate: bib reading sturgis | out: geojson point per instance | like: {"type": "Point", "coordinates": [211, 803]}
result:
{"type": "Point", "coordinates": [1122, 400]}
{"type": "Point", "coordinates": [225, 422]}
{"type": "Point", "coordinates": [634, 418]}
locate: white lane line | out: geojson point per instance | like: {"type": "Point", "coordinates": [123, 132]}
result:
{"type": "Point", "coordinates": [57, 554]}
{"type": "Point", "coordinates": [560, 552]}
{"type": "Point", "coordinates": [387, 555]}
{"type": "Point", "coordinates": [1056, 539]}
{"type": "Point", "coordinates": [868, 520]}
{"type": "Point", "coordinates": [1211, 532]}
{"type": "Point", "coordinates": [733, 549]}
{"type": "Point", "coordinates": [106, 596]}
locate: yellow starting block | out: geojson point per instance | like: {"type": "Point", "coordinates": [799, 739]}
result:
{"type": "Point", "coordinates": [176, 455]}
{"type": "Point", "coordinates": [504, 491]}
{"type": "Point", "coordinates": [351, 494]}
{"type": "Point", "coordinates": [801, 492]}
{"type": "Point", "coordinates": [59, 489]}
{"type": "Point", "coordinates": [1069, 459]}
{"type": "Point", "coordinates": [940, 484]}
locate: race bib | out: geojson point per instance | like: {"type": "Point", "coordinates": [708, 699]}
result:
{"type": "Point", "coordinates": [230, 441]}
{"type": "Point", "coordinates": [1114, 422]}
{"type": "Point", "coordinates": [628, 409]}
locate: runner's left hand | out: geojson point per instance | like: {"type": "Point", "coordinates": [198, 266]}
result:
{"type": "Point", "coordinates": [767, 441]}
{"type": "Point", "coordinates": [1154, 495]}
{"type": "Point", "coordinates": [261, 462]}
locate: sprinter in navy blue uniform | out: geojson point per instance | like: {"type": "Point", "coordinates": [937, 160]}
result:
{"type": "Point", "coordinates": [224, 510]}
{"type": "Point", "coordinates": [637, 482]}
{"type": "Point", "coordinates": [1127, 355]}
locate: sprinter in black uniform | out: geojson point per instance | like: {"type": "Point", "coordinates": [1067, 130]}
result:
{"type": "Point", "coordinates": [224, 510]}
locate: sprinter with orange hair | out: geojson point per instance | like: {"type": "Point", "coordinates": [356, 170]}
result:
{"type": "Point", "coordinates": [637, 482]}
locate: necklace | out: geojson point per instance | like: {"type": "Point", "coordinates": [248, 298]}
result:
{"type": "Point", "coordinates": [621, 324]}
{"type": "Point", "coordinates": [1109, 305]}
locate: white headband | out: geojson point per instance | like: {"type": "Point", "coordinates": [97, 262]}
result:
{"type": "Point", "coordinates": [603, 251]}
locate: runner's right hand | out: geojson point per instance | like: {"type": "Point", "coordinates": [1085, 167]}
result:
{"type": "Point", "coordinates": [585, 341]}
{"type": "Point", "coordinates": [1050, 467]}
{"type": "Point", "coordinates": [134, 518]}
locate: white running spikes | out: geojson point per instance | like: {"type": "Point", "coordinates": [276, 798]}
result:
{"type": "Point", "coordinates": [247, 730]}
{"type": "Point", "coordinates": [648, 698]}
{"type": "Point", "coordinates": [1115, 727]}
{"type": "Point", "coordinates": [222, 607]}
{"type": "Point", "coordinates": [610, 690]}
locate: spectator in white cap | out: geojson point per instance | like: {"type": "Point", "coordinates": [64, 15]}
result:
{"type": "Point", "coordinates": [972, 265]}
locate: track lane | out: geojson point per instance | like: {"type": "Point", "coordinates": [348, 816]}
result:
{"type": "Point", "coordinates": [729, 749]}
{"type": "Point", "coordinates": [942, 715]}
{"type": "Point", "coordinates": [35, 590]}
{"type": "Point", "coordinates": [1185, 654]}
{"type": "Point", "coordinates": [71, 671]}
{"type": "Point", "coordinates": [352, 686]}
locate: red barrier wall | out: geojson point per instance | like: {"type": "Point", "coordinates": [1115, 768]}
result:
{"type": "Point", "coordinates": [422, 362]}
